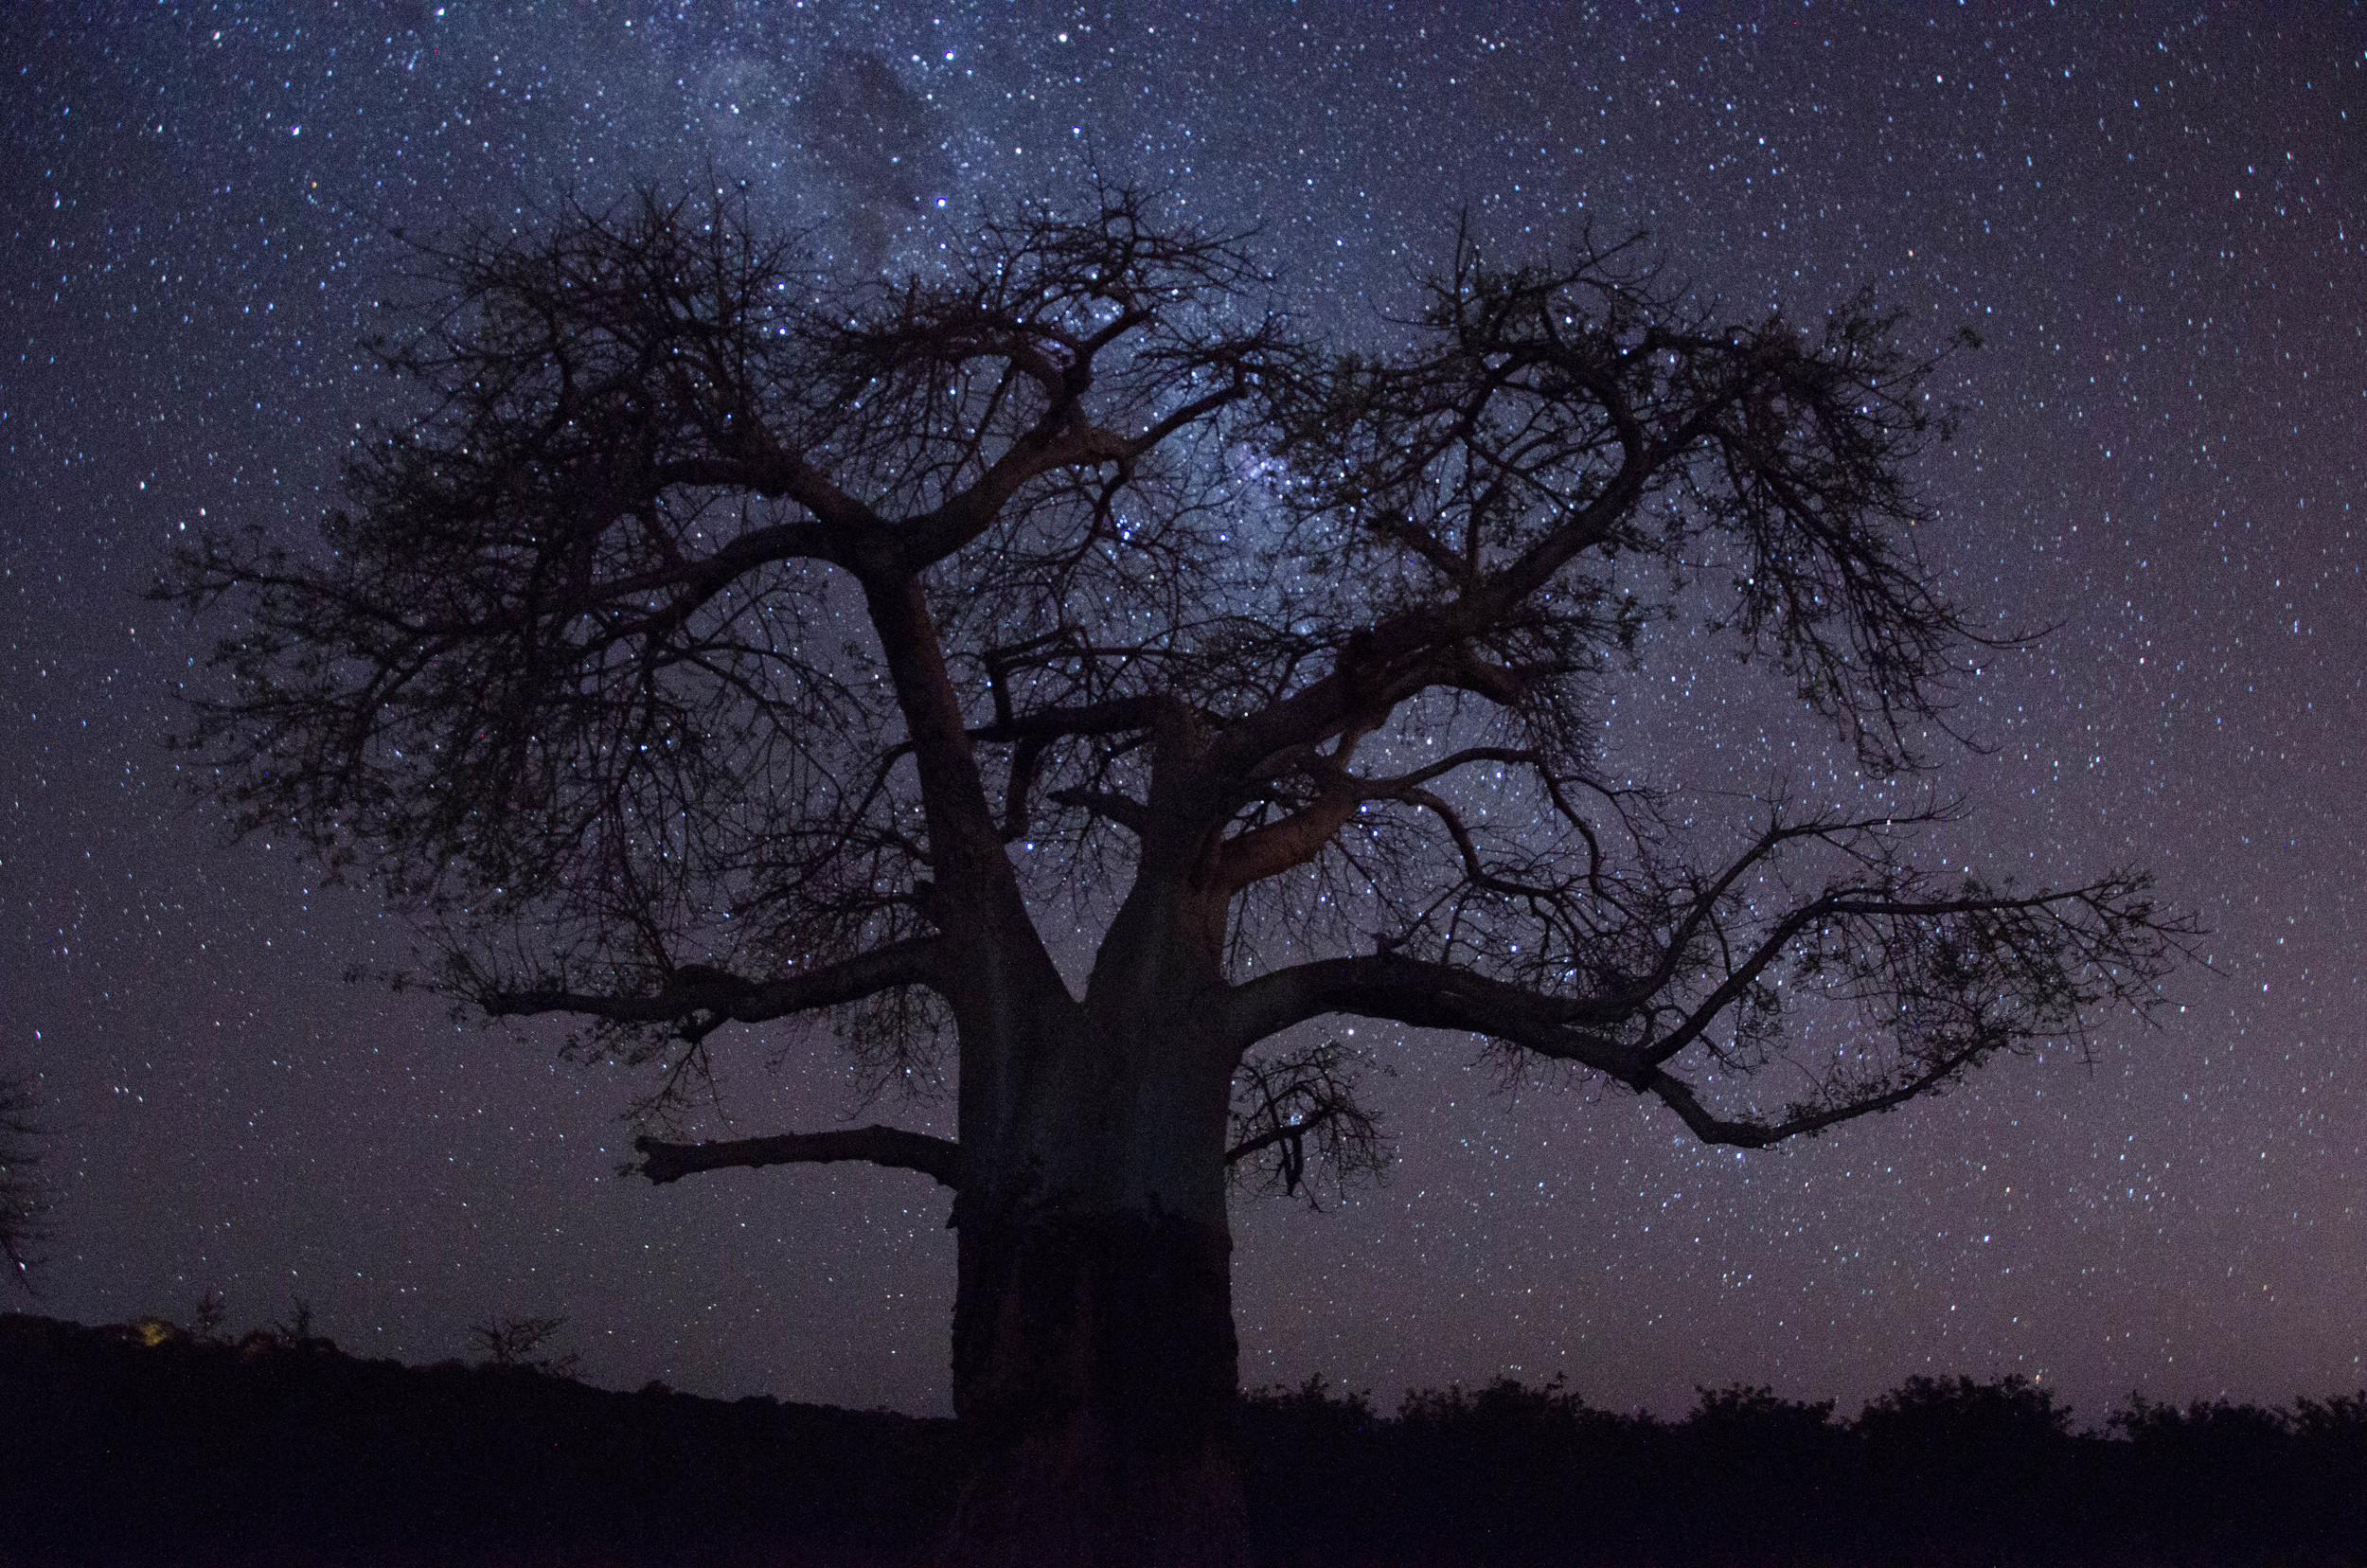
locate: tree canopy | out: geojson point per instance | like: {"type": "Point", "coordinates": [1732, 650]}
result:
{"type": "Point", "coordinates": [584, 666]}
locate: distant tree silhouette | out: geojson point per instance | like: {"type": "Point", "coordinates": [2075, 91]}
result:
{"type": "Point", "coordinates": [716, 644]}
{"type": "Point", "coordinates": [513, 1340]}
{"type": "Point", "coordinates": [296, 1328]}
{"type": "Point", "coordinates": [207, 1316]}
{"type": "Point", "coordinates": [21, 1200]}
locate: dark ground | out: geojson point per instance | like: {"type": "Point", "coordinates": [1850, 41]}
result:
{"type": "Point", "coordinates": [139, 1444]}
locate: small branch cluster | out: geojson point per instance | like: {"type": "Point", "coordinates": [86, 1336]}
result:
{"type": "Point", "coordinates": [1285, 1102]}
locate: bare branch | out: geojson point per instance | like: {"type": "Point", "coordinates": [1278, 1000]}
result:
{"type": "Point", "coordinates": [1430, 996]}
{"type": "Point", "coordinates": [700, 998]}
{"type": "Point", "coordinates": [940, 1158]}
{"type": "Point", "coordinates": [1949, 981]}
{"type": "Point", "coordinates": [1281, 1103]}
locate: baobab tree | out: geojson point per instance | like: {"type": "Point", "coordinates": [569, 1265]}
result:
{"type": "Point", "coordinates": [714, 644]}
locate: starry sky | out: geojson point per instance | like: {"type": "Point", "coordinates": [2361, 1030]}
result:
{"type": "Point", "coordinates": [2156, 219]}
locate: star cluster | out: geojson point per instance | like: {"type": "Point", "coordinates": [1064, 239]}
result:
{"type": "Point", "coordinates": [2156, 222]}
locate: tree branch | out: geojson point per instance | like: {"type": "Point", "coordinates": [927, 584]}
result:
{"type": "Point", "coordinates": [882, 1146]}
{"type": "Point", "coordinates": [709, 997]}
{"type": "Point", "coordinates": [1404, 654]}
{"type": "Point", "coordinates": [1280, 1104]}
{"type": "Point", "coordinates": [1125, 811]}
{"type": "Point", "coordinates": [1956, 979]}
{"type": "Point", "coordinates": [1749, 1132]}
{"type": "Point", "coordinates": [1110, 718]}
{"type": "Point", "coordinates": [774, 475]}
{"type": "Point", "coordinates": [964, 840]}
{"type": "Point", "coordinates": [1430, 996]}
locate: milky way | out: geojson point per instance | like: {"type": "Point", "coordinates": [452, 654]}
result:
{"type": "Point", "coordinates": [2156, 222]}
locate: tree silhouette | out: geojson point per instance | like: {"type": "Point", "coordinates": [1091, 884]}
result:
{"type": "Point", "coordinates": [718, 644]}
{"type": "Point", "coordinates": [515, 1342]}
{"type": "Point", "coordinates": [22, 1201]}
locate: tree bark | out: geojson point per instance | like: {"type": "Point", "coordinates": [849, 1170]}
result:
{"type": "Point", "coordinates": [1095, 1374]}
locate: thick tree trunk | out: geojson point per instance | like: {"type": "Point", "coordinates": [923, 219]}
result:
{"type": "Point", "coordinates": [1095, 1373]}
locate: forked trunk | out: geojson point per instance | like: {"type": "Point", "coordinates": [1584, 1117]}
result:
{"type": "Point", "coordinates": [1096, 1372]}
{"type": "Point", "coordinates": [1094, 1368]}
{"type": "Point", "coordinates": [1095, 1375]}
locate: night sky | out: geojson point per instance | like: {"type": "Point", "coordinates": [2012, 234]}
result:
{"type": "Point", "coordinates": [2157, 222]}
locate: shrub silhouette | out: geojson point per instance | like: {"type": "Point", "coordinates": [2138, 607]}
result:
{"type": "Point", "coordinates": [2223, 1474]}
{"type": "Point", "coordinates": [1953, 1413]}
{"type": "Point", "coordinates": [140, 1444]}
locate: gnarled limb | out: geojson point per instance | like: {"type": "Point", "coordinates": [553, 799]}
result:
{"type": "Point", "coordinates": [1960, 979]}
{"type": "Point", "coordinates": [1046, 725]}
{"type": "Point", "coordinates": [702, 996]}
{"type": "Point", "coordinates": [894, 1147]}
{"type": "Point", "coordinates": [1405, 653]}
{"type": "Point", "coordinates": [1430, 996]}
{"type": "Point", "coordinates": [1753, 1133]}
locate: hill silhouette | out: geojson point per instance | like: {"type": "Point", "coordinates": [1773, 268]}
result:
{"type": "Point", "coordinates": [142, 1443]}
